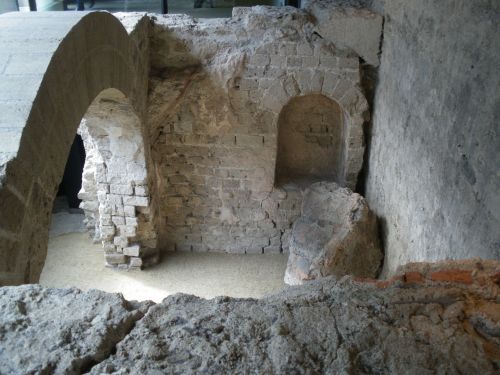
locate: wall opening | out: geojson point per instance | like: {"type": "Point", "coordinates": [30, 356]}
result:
{"type": "Point", "coordinates": [310, 141]}
{"type": "Point", "coordinates": [106, 177]}
{"type": "Point", "coordinates": [72, 179]}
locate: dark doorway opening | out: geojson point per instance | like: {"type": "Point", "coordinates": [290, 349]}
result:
{"type": "Point", "coordinates": [72, 180]}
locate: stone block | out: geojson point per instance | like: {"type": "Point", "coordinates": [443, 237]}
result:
{"type": "Point", "coordinates": [294, 61]}
{"type": "Point", "coordinates": [248, 83]}
{"type": "Point", "coordinates": [120, 241]}
{"type": "Point", "coordinates": [354, 28]}
{"type": "Point", "coordinates": [141, 191]}
{"type": "Point", "coordinates": [288, 49]}
{"type": "Point", "coordinates": [244, 140]}
{"type": "Point", "coordinates": [129, 211]}
{"type": "Point", "coordinates": [336, 235]}
{"type": "Point", "coordinates": [118, 220]}
{"type": "Point", "coordinates": [121, 189]}
{"type": "Point", "coordinates": [107, 232]}
{"type": "Point", "coordinates": [115, 259]}
{"type": "Point", "coordinates": [310, 62]}
{"type": "Point", "coordinates": [277, 60]}
{"type": "Point", "coordinates": [131, 221]}
{"type": "Point", "coordinates": [129, 230]}
{"type": "Point", "coordinates": [132, 251]}
{"type": "Point", "coordinates": [304, 49]}
{"type": "Point", "coordinates": [259, 60]}
{"type": "Point", "coordinates": [135, 262]}
{"type": "Point", "coordinates": [136, 201]}
{"type": "Point", "coordinates": [273, 249]}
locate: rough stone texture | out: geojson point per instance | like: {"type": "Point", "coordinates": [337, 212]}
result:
{"type": "Point", "coordinates": [348, 25]}
{"type": "Point", "coordinates": [411, 324]}
{"type": "Point", "coordinates": [60, 331]}
{"type": "Point", "coordinates": [214, 110]}
{"type": "Point", "coordinates": [336, 234]}
{"type": "Point", "coordinates": [115, 192]}
{"type": "Point", "coordinates": [433, 174]}
{"type": "Point", "coordinates": [210, 135]}
{"type": "Point", "coordinates": [310, 146]}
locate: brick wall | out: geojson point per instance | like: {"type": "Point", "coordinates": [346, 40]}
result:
{"type": "Point", "coordinates": [214, 127]}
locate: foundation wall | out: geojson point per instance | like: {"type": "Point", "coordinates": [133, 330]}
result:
{"type": "Point", "coordinates": [214, 106]}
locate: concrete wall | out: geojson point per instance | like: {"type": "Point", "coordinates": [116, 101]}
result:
{"type": "Point", "coordinates": [434, 158]}
{"type": "Point", "coordinates": [8, 6]}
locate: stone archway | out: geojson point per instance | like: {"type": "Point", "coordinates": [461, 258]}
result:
{"type": "Point", "coordinates": [115, 190]}
{"type": "Point", "coordinates": [73, 58]}
{"type": "Point", "coordinates": [345, 93]}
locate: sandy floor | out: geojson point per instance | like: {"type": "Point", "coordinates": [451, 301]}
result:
{"type": "Point", "coordinates": [74, 261]}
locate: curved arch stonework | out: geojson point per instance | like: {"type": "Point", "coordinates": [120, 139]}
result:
{"type": "Point", "coordinates": [211, 140]}
{"type": "Point", "coordinates": [346, 94]}
{"type": "Point", "coordinates": [115, 192]}
{"type": "Point", "coordinates": [48, 83]}
{"type": "Point", "coordinates": [310, 141]}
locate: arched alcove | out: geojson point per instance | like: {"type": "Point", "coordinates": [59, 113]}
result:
{"type": "Point", "coordinates": [310, 141]}
{"type": "Point", "coordinates": [115, 191]}
{"type": "Point", "coordinates": [83, 55]}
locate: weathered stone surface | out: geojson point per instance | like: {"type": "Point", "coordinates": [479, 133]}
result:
{"type": "Point", "coordinates": [433, 173]}
{"type": "Point", "coordinates": [336, 234]}
{"type": "Point", "coordinates": [115, 171]}
{"type": "Point", "coordinates": [209, 94]}
{"type": "Point", "coordinates": [48, 89]}
{"type": "Point", "coordinates": [407, 324]}
{"type": "Point", "coordinates": [214, 113]}
{"type": "Point", "coordinates": [348, 24]}
{"type": "Point", "coordinates": [324, 327]}
{"type": "Point", "coordinates": [60, 331]}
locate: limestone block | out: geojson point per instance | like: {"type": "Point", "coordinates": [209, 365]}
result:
{"type": "Point", "coordinates": [89, 205]}
{"type": "Point", "coordinates": [348, 27]}
{"type": "Point", "coordinates": [336, 234]}
{"type": "Point", "coordinates": [118, 220]}
{"type": "Point", "coordinates": [135, 262]}
{"type": "Point", "coordinates": [121, 189]}
{"type": "Point", "coordinates": [129, 211]}
{"type": "Point", "coordinates": [136, 201]}
{"type": "Point", "coordinates": [107, 232]}
{"type": "Point", "coordinates": [120, 241]}
{"type": "Point", "coordinates": [410, 324]}
{"type": "Point", "coordinates": [249, 140]}
{"type": "Point", "coordinates": [115, 259]}
{"type": "Point", "coordinates": [129, 230]}
{"type": "Point", "coordinates": [141, 191]}
{"type": "Point", "coordinates": [66, 341]}
{"type": "Point", "coordinates": [131, 221]}
{"type": "Point", "coordinates": [132, 251]}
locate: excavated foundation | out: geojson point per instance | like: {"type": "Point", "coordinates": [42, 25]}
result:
{"type": "Point", "coordinates": [431, 318]}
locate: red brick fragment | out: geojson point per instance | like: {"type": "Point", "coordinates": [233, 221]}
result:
{"type": "Point", "coordinates": [382, 284]}
{"type": "Point", "coordinates": [482, 280]}
{"type": "Point", "coordinates": [496, 278]}
{"type": "Point", "coordinates": [364, 280]}
{"type": "Point", "coordinates": [453, 276]}
{"type": "Point", "coordinates": [413, 277]}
